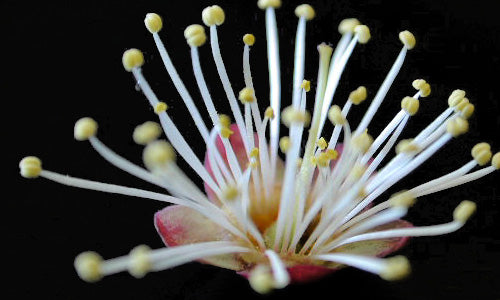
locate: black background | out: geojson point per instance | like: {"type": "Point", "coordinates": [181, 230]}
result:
{"type": "Point", "coordinates": [63, 62]}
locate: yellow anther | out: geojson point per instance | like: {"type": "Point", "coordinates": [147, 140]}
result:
{"type": "Point", "coordinates": [132, 58]}
{"type": "Point", "coordinates": [406, 146]}
{"type": "Point", "coordinates": [410, 105]}
{"type": "Point", "coordinates": [140, 262]}
{"type": "Point", "coordinates": [323, 160]}
{"type": "Point", "coordinates": [465, 108]}
{"type": "Point", "coordinates": [306, 11]}
{"type": "Point", "coordinates": [226, 132]}
{"type": "Point", "coordinates": [306, 85]}
{"type": "Point", "coordinates": [195, 35]}
{"type": "Point", "coordinates": [467, 111]}
{"type": "Point", "coordinates": [363, 33]}
{"type": "Point", "coordinates": [269, 113]}
{"type": "Point", "coordinates": [254, 153]}
{"type": "Point", "coordinates": [84, 129]}
{"type": "Point", "coordinates": [246, 95]}
{"type": "Point", "coordinates": [230, 193]}
{"type": "Point", "coordinates": [464, 211]}
{"type": "Point", "coordinates": [422, 86]}
{"type": "Point", "coordinates": [418, 83]}
{"type": "Point", "coordinates": [462, 104]}
{"type": "Point", "coordinates": [213, 15]}
{"type": "Point", "coordinates": [146, 132]}
{"type": "Point", "coordinates": [160, 107]}
{"type": "Point", "coordinates": [249, 39]}
{"type": "Point", "coordinates": [362, 142]}
{"type": "Point", "coordinates": [153, 22]}
{"type": "Point", "coordinates": [455, 97]}
{"type": "Point", "coordinates": [408, 39]}
{"type": "Point", "coordinates": [261, 279]}
{"type": "Point", "coordinates": [332, 154]}
{"type": "Point", "coordinates": [158, 154]}
{"type": "Point", "coordinates": [482, 153]}
{"type": "Point", "coordinates": [322, 144]}
{"type": "Point", "coordinates": [479, 147]}
{"type": "Point", "coordinates": [88, 266]}
{"type": "Point", "coordinates": [292, 115]}
{"type": "Point", "coordinates": [263, 4]}
{"type": "Point", "coordinates": [457, 126]}
{"type": "Point", "coordinates": [495, 161]}
{"type": "Point", "coordinates": [358, 95]}
{"type": "Point", "coordinates": [285, 144]}
{"type": "Point", "coordinates": [348, 25]}
{"type": "Point", "coordinates": [224, 120]}
{"type": "Point", "coordinates": [396, 268]}
{"type": "Point", "coordinates": [30, 167]}
{"type": "Point", "coordinates": [403, 198]}
{"type": "Point", "coordinates": [335, 115]}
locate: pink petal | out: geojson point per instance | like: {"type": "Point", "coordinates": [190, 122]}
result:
{"type": "Point", "coordinates": [180, 225]}
{"type": "Point", "coordinates": [308, 271]}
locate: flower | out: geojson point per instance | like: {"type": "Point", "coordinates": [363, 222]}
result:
{"type": "Point", "coordinates": [271, 220]}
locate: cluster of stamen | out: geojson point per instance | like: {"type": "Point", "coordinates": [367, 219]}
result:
{"type": "Point", "coordinates": [320, 199]}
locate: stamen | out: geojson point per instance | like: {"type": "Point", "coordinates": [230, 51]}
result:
{"type": "Point", "coordinates": [261, 279]}
{"type": "Point", "coordinates": [177, 81]}
{"type": "Point", "coordinates": [382, 92]}
{"type": "Point", "coordinates": [153, 22]}
{"type": "Point", "coordinates": [305, 13]}
{"type": "Point", "coordinates": [336, 130]}
{"type": "Point", "coordinates": [146, 132]}
{"type": "Point", "coordinates": [481, 154]}
{"type": "Point", "coordinates": [393, 268]}
{"type": "Point", "coordinates": [208, 209]}
{"type": "Point", "coordinates": [157, 154]}
{"type": "Point", "coordinates": [295, 120]}
{"type": "Point", "coordinates": [91, 267]}
{"type": "Point", "coordinates": [85, 128]}
{"type": "Point", "coordinates": [404, 198]}
{"type": "Point", "coordinates": [404, 170]}
{"type": "Point", "coordinates": [306, 170]}
{"type": "Point", "coordinates": [132, 58]}
{"type": "Point", "coordinates": [422, 87]}
{"type": "Point", "coordinates": [383, 153]}
{"type": "Point", "coordinates": [461, 215]}
{"type": "Point", "coordinates": [408, 39]}
{"type": "Point", "coordinates": [410, 105]}
{"type": "Point", "coordinates": [30, 167]}
{"type": "Point", "coordinates": [336, 69]}
{"type": "Point", "coordinates": [249, 40]}
{"type": "Point", "coordinates": [207, 99]}
{"type": "Point", "coordinates": [462, 179]}
{"type": "Point", "coordinates": [213, 16]}
{"type": "Point", "coordinates": [274, 77]}
{"type": "Point", "coordinates": [173, 134]}
{"type": "Point", "coordinates": [280, 274]}
{"type": "Point", "coordinates": [195, 35]}
{"type": "Point", "coordinates": [387, 216]}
